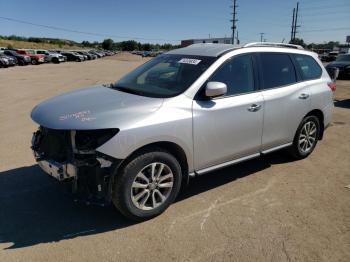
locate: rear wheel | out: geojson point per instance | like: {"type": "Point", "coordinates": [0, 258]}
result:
{"type": "Point", "coordinates": [147, 185]}
{"type": "Point", "coordinates": [306, 137]}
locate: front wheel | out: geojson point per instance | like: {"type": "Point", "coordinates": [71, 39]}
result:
{"type": "Point", "coordinates": [34, 62]}
{"type": "Point", "coordinates": [147, 185]}
{"type": "Point", "coordinates": [306, 137]}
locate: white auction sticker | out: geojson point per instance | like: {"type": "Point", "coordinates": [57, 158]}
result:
{"type": "Point", "coordinates": [190, 61]}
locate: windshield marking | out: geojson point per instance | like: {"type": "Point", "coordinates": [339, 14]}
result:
{"type": "Point", "coordinates": [189, 61]}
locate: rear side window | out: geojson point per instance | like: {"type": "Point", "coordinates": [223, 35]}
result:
{"type": "Point", "coordinates": [237, 74]}
{"type": "Point", "coordinates": [277, 70]}
{"type": "Point", "coordinates": [308, 67]}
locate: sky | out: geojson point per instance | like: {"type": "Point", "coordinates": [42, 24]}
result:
{"type": "Point", "coordinates": [170, 21]}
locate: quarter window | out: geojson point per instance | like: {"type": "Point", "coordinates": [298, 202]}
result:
{"type": "Point", "coordinates": [308, 67]}
{"type": "Point", "coordinates": [237, 74]}
{"type": "Point", "coordinates": [277, 70]}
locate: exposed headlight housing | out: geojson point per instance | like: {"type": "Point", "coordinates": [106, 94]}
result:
{"type": "Point", "coordinates": [87, 140]}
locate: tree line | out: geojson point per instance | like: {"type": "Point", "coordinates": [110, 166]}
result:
{"type": "Point", "coordinates": [131, 45]}
{"type": "Point", "coordinates": [107, 44]}
{"type": "Point", "coordinates": [326, 45]}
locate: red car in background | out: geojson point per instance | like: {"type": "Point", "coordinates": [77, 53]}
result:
{"type": "Point", "coordinates": [35, 59]}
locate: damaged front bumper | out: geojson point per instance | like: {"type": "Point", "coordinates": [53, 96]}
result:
{"type": "Point", "coordinates": [59, 171]}
{"type": "Point", "coordinates": [87, 171]}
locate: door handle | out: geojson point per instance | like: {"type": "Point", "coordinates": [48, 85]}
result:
{"type": "Point", "coordinates": [254, 108]}
{"type": "Point", "coordinates": [304, 96]}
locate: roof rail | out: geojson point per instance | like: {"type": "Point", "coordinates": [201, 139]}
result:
{"type": "Point", "coordinates": [271, 44]}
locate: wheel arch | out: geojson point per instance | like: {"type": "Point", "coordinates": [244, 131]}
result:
{"type": "Point", "coordinates": [319, 114]}
{"type": "Point", "coordinates": [177, 151]}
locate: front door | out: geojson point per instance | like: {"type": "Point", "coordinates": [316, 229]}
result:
{"type": "Point", "coordinates": [229, 127]}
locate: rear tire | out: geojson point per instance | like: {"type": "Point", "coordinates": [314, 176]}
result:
{"type": "Point", "coordinates": [147, 184]}
{"type": "Point", "coordinates": [306, 137]}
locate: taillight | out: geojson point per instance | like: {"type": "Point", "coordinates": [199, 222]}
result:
{"type": "Point", "coordinates": [332, 85]}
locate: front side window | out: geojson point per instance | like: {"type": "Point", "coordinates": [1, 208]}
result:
{"type": "Point", "coordinates": [164, 76]}
{"type": "Point", "coordinates": [237, 74]}
{"type": "Point", "coordinates": [309, 68]}
{"type": "Point", "coordinates": [277, 70]}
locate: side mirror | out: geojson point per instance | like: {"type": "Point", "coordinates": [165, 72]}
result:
{"type": "Point", "coordinates": [215, 89]}
{"type": "Point", "coordinates": [333, 73]}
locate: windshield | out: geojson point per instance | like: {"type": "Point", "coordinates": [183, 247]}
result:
{"type": "Point", "coordinates": [343, 58]}
{"type": "Point", "coordinates": [164, 76]}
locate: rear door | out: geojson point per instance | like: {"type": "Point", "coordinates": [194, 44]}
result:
{"type": "Point", "coordinates": [286, 98]}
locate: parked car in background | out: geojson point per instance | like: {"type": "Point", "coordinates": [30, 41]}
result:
{"type": "Point", "coordinates": [35, 58]}
{"type": "Point", "coordinates": [342, 63]}
{"type": "Point", "coordinates": [22, 59]}
{"type": "Point", "coordinates": [96, 53]}
{"type": "Point", "coordinates": [331, 56]}
{"type": "Point", "coordinates": [185, 113]}
{"type": "Point", "coordinates": [50, 57]}
{"type": "Point", "coordinates": [78, 53]}
{"type": "Point", "coordinates": [4, 61]}
{"type": "Point", "coordinates": [88, 55]}
{"type": "Point", "coordinates": [12, 61]}
{"type": "Point", "coordinates": [71, 56]}
{"type": "Point", "coordinates": [59, 53]}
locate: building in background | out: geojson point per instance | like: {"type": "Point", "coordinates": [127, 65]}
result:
{"type": "Point", "coordinates": [221, 40]}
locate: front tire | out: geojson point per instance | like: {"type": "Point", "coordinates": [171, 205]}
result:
{"type": "Point", "coordinates": [147, 184]}
{"type": "Point", "coordinates": [306, 137]}
{"type": "Point", "coordinates": [34, 62]}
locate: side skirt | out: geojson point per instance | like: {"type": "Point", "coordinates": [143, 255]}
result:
{"type": "Point", "coordinates": [236, 161]}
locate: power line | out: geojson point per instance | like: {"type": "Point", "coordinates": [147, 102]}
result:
{"type": "Point", "coordinates": [325, 7]}
{"type": "Point", "coordinates": [83, 32]}
{"type": "Point", "coordinates": [327, 29]}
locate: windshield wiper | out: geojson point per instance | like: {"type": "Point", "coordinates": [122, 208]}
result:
{"type": "Point", "coordinates": [127, 90]}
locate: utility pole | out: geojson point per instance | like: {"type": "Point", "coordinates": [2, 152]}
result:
{"type": "Point", "coordinates": [261, 37]}
{"type": "Point", "coordinates": [237, 39]}
{"type": "Point", "coordinates": [292, 33]}
{"type": "Point", "coordinates": [296, 21]}
{"type": "Point", "coordinates": [234, 20]}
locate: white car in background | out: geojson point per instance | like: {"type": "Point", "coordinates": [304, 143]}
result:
{"type": "Point", "coordinates": [50, 56]}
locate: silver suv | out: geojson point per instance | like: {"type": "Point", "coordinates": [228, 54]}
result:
{"type": "Point", "coordinates": [184, 113]}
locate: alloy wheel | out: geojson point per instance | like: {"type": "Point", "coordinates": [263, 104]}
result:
{"type": "Point", "coordinates": [307, 137]}
{"type": "Point", "coordinates": [152, 186]}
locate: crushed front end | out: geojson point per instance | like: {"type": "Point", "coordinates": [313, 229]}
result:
{"type": "Point", "coordinates": [70, 156]}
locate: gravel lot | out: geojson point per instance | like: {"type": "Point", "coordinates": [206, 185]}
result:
{"type": "Point", "coordinates": [268, 209]}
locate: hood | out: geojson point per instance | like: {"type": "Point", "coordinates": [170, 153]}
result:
{"type": "Point", "coordinates": [95, 107]}
{"type": "Point", "coordinates": [339, 64]}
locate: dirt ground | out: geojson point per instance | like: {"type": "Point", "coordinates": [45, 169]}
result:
{"type": "Point", "coordinates": [267, 209]}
